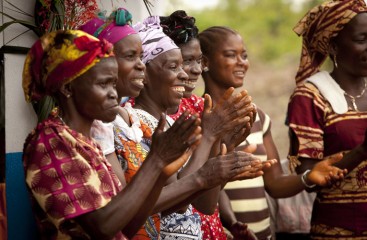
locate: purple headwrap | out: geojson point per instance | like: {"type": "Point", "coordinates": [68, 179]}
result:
{"type": "Point", "coordinates": [113, 29]}
{"type": "Point", "coordinates": [154, 40]}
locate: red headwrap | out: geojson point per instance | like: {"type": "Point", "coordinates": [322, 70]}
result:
{"type": "Point", "coordinates": [58, 58]}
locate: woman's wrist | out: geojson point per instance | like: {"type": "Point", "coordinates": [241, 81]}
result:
{"type": "Point", "coordinates": [306, 182]}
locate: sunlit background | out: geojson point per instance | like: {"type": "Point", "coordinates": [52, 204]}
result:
{"type": "Point", "coordinates": [274, 49]}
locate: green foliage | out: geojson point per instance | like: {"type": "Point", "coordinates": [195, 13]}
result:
{"type": "Point", "coordinates": [265, 25]}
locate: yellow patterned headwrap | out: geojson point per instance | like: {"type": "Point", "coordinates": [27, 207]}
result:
{"type": "Point", "coordinates": [318, 27]}
{"type": "Point", "coordinates": [59, 57]}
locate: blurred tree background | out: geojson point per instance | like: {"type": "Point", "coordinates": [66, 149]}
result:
{"type": "Point", "coordinates": [273, 49]}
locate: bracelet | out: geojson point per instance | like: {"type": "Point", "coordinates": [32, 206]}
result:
{"type": "Point", "coordinates": [303, 179]}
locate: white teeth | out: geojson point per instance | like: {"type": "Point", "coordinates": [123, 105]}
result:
{"type": "Point", "coordinates": [190, 84]}
{"type": "Point", "coordinates": [138, 80]}
{"type": "Point", "coordinates": [239, 73]}
{"type": "Point", "coordinates": [179, 89]}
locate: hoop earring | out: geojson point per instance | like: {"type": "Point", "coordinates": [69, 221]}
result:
{"type": "Point", "coordinates": [335, 62]}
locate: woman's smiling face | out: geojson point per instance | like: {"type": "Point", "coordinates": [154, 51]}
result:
{"type": "Point", "coordinates": [229, 64]}
{"type": "Point", "coordinates": [192, 56]}
{"type": "Point", "coordinates": [131, 69]}
{"type": "Point", "coordinates": [166, 78]}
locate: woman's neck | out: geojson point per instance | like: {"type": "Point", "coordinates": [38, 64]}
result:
{"type": "Point", "coordinates": [147, 104]}
{"type": "Point", "coordinates": [75, 121]}
{"type": "Point", "coordinates": [350, 84]}
{"type": "Point", "coordinates": [215, 91]}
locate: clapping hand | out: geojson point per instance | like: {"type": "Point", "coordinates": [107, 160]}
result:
{"type": "Point", "coordinates": [174, 146]}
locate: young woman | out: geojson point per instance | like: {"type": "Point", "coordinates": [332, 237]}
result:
{"type": "Point", "coordinates": [225, 65]}
{"type": "Point", "coordinates": [75, 191]}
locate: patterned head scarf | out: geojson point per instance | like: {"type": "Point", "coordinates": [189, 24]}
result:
{"type": "Point", "coordinates": [59, 57]}
{"type": "Point", "coordinates": [318, 27]}
{"type": "Point", "coordinates": [113, 29]}
{"type": "Point", "coordinates": [154, 40]}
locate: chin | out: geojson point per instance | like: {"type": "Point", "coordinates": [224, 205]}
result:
{"type": "Point", "coordinates": [187, 94]}
{"type": "Point", "coordinates": [175, 104]}
{"type": "Point", "coordinates": [133, 94]}
{"type": "Point", "coordinates": [237, 85]}
{"type": "Point", "coordinates": [108, 117]}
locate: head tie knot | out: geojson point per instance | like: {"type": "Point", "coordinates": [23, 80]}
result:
{"type": "Point", "coordinates": [122, 17]}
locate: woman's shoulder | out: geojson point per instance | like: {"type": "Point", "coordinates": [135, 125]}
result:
{"type": "Point", "coordinates": [311, 86]}
{"type": "Point", "coordinates": [261, 115]}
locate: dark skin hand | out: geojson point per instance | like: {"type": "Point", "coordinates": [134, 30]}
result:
{"type": "Point", "coordinates": [213, 173]}
{"type": "Point", "coordinates": [230, 110]}
{"type": "Point", "coordinates": [216, 121]}
{"type": "Point", "coordinates": [239, 132]}
{"type": "Point", "coordinates": [128, 210]}
{"type": "Point", "coordinates": [347, 161]}
{"type": "Point", "coordinates": [241, 165]}
{"type": "Point", "coordinates": [240, 231]}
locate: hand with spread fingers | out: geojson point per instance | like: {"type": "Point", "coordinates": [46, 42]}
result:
{"type": "Point", "coordinates": [174, 146]}
{"type": "Point", "coordinates": [324, 173]}
{"type": "Point", "coordinates": [254, 170]}
{"type": "Point", "coordinates": [228, 167]}
{"type": "Point", "coordinates": [227, 113]}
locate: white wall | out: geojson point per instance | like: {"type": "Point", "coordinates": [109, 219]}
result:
{"type": "Point", "coordinates": [19, 116]}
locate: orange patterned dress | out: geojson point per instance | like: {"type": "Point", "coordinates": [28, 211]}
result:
{"type": "Point", "coordinates": [132, 146]}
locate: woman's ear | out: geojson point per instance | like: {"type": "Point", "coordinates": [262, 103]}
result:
{"type": "Point", "coordinates": [66, 90]}
{"type": "Point", "coordinates": [205, 64]}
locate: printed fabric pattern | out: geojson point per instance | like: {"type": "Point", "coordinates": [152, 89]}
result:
{"type": "Point", "coordinates": [132, 147]}
{"type": "Point", "coordinates": [339, 211]}
{"type": "Point", "coordinates": [68, 176]}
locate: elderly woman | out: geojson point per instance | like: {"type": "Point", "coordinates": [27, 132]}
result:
{"type": "Point", "coordinates": [132, 136]}
{"type": "Point", "coordinates": [74, 190]}
{"type": "Point", "coordinates": [163, 90]}
{"type": "Point", "coordinates": [127, 135]}
{"type": "Point", "coordinates": [327, 113]}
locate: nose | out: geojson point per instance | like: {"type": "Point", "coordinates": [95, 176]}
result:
{"type": "Point", "coordinates": [112, 92]}
{"type": "Point", "coordinates": [241, 60]}
{"type": "Point", "coordinates": [140, 65]}
{"type": "Point", "coordinates": [196, 69]}
{"type": "Point", "coordinates": [182, 75]}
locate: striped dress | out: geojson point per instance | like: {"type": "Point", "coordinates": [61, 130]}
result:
{"type": "Point", "coordinates": [247, 197]}
{"type": "Point", "coordinates": [339, 212]}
